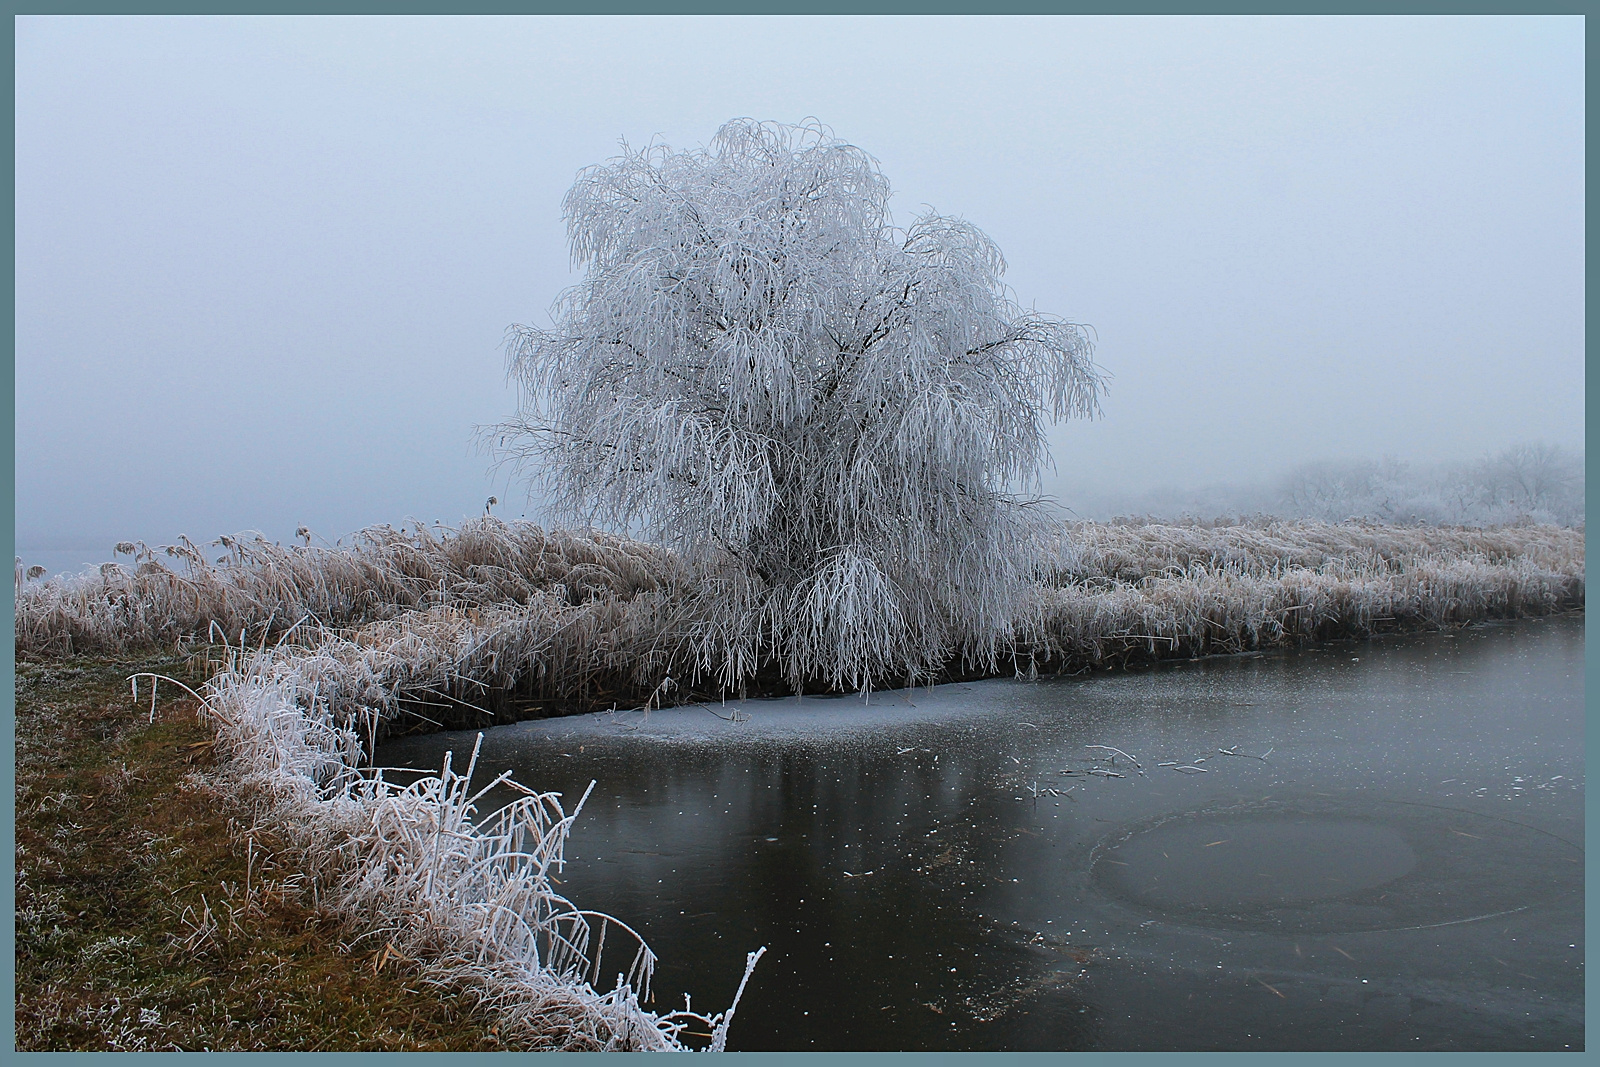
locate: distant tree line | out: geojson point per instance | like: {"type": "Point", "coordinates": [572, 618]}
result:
{"type": "Point", "coordinates": [1527, 482]}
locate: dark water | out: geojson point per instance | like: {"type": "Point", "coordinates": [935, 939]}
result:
{"type": "Point", "coordinates": [1404, 869]}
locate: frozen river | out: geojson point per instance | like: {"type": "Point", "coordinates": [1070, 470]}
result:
{"type": "Point", "coordinates": [1374, 845]}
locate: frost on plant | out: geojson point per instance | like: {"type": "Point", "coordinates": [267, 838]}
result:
{"type": "Point", "coordinates": [470, 898]}
{"type": "Point", "coordinates": [829, 415]}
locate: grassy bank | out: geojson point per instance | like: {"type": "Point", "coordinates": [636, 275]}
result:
{"type": "Point", "coordinates": [175, 892]}
{"type": "Point", "coordinates": [156, 912]}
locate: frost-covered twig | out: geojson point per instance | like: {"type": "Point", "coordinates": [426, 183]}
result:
{"type": "Point", "coordinates": [1119, 752]}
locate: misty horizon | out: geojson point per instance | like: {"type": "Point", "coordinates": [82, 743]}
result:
{"type": "Point", "coordinates": [265, 266]}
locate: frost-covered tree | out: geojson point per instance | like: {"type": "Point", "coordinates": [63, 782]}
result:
{"type": "Point", "coordinates": [830, 415]}
{"type": "Point", "coordinates": [1536, 479]}
{"type": "Point", "coordinates": [1530, 482]}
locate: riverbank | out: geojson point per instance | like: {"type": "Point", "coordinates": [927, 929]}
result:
{"type": "Point", "coordinates": [180, 888]}
{"type": "Point", "coordinates": [154, 913]}
{"type": "Point", "coordinates": [501, 622]}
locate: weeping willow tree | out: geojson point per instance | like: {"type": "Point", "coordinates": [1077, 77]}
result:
{"type": "Point", "coordinates": [831, 416]}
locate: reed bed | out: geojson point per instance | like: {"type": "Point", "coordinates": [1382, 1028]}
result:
{"type": "Point", "coordinates": [1209, 609]}
{"type": "Point", "coordinates": [497, 621]}
{"type": "Point", "coordinates": [1131, 551]}
{"type": "Point", "coordinates": [454, 667]}
{"type": "Point", "coordinates": [415, 867]}
{"type": "Point", "coordinates": [175, 591]}
{"type": "Point", "coordinates": [1132, 591]}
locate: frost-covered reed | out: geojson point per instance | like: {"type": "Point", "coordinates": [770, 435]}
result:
{"type": "Point", "coordinates": [259, 586]}
{"type": "Point", "coordinates": [1130, 551]}
{"type": "Point", "coordinates": [500, 620]}
{"type": "Point", "coordinates": [470, 899]}
{"type": "Point", "coordinates": [456, 667]}
{"type": "Point", "coordinates": [1235, 606]}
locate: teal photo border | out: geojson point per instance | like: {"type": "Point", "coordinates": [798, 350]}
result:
{"type": "Point", "coordinates": [729, 7]}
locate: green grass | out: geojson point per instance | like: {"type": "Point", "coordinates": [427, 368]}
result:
{"type": "Point", "coordinates": [152, 915]}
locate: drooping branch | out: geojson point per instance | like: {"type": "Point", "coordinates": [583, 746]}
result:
{"type": "Point", "coordinates": [759, 366]}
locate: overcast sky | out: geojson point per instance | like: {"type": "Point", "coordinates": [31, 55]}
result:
{"type": "Point", "coordinates": [264, 266]}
